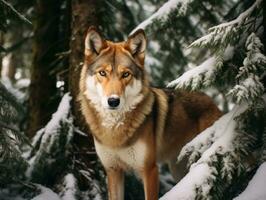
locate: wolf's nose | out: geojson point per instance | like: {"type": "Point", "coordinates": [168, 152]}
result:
{"type": "Point", "coordinates": [113, 102]}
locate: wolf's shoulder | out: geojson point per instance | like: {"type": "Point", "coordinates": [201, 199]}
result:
{"type": "Point", "coordinates": [193, 102]}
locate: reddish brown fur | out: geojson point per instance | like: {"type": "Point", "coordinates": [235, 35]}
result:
{"type": "Point", "coordinates": [163, 122]}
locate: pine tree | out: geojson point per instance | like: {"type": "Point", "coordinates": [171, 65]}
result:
{"type": "Point", "coordinates": [218, 156]}
{"type": "Point", "coordinates": [55, 160]}
{"type": "Point", "coordinates": [170, 30]}
{"type": "Point", "coordinates": [12, 164]}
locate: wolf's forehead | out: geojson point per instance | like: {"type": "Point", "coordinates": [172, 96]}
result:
{"type": "Point", "coordinates": [114, 57]}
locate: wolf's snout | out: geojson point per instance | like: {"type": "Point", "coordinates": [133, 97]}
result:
{"type": "Point", "coordinates": [113, 102]}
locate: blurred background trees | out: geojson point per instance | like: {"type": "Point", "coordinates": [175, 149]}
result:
{"type": "Point", "coordinates": [41, 54]}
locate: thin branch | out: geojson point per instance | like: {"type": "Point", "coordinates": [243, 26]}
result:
{"type": "Point", "coordinates": [11, 8]}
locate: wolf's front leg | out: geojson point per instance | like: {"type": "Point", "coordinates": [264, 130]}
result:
{"type": "Point", "coordinates": [150, 181]}
{"type": "Point", "coordinates": [115, 181]}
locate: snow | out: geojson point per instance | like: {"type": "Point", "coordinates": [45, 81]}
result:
{"type": "Point", "coordinates": [220, 134]}
{"type": "Point", "coordinates": [251, 87]}
{"type": "Point", "coordinates": [217, 139]}
{"type": "Point", "coordinates": [185, 189]}
{"type": "Point", "coordinates": [256, 187]}
{"type": "Point", "coordinates": [225, 127]}
{"type": "Point", "coordinates": [49, 132]}
{"type": "Point", "coordinates": [202, 73]}
{"type": "Point", "coordinates": [164, 11]}
{"type": "Point", "coordinates": [23, 83]}
{"type": "Point", "coordinates": [69, 188]}
{"type": "Point", "coordinates": [20, 96]}
{"type": "Point", "coordinates": [46, 194]}
{"type": "Point", "coordinates": [220, 32]}
{"type": "Point", "coordinates": [194, 76]}
{"type": "Point", "coordinates": [241, 18]}
{"type": "Point", "coordinates": [62, 112]}
{"type": "Point", "coordinates": [249, 76]}
{"type": "Point", "coordinates": [254, 56]}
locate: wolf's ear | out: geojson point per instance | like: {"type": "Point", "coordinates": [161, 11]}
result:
{"type": "Point", "coordinates": [136, 44]}
{"type": "Point", "coordinates": [94, 42]}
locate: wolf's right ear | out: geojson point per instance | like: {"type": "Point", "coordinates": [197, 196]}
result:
{"type": "Point", "coordinates": [94, 42]}
{"type": "Point", "coordinates": [136, 44]}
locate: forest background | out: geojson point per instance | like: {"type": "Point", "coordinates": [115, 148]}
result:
{"type": "Point", "coordinates": [213, 46]}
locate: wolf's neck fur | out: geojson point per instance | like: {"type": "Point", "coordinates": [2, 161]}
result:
{"type": "Point", "coordinates": [112, 119]}
{"type": "Point", "coordinates": [126, 132]}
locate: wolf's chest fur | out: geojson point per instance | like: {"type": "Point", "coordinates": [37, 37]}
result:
{"type": "Point", "coordinates": [130, 157]}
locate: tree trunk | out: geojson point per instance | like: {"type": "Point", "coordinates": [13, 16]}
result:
{"type": "Point", "coordinates": [264, 35]}
{"type": "Point", "coordinates": [264, 25]}
{"type": "Point", "coordinates": [43, 85]}
{"type": "Point", "coordinates": [84, 14]}
{"type": "Point", "coordinates": [1, 58]}
{"type": "Point", "coordinates": [14, 57]}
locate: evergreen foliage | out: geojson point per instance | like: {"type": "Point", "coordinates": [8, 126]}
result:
{"type": "Point", "coordinates": [12, 112]}
{"type": "Point", "coordinates": [230, 58]}
{"type": "Point", "coordinates": [7, 11]}
{"type": "Point", "coordinates": [12, 164]}
{"type": "Point", "coordinates": [54, 163]}
{"type": "Point", "coordinates": [172, 28]}
{"type": "Point", "coordinates": [220, 152]}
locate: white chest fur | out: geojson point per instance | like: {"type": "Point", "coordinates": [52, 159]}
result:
{"type": "Point", "coordinates": [132, 157]}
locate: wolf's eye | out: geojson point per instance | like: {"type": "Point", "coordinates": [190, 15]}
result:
{"type": "Point", "coordinates": [102, 73]}
{"type": "Point", "coordinates": [125, 74]}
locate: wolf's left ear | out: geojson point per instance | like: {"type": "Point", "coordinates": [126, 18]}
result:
{"type": "Point", "coordinates": [94, 42]}
{"type": "Point", "coordinates": [136, 44]}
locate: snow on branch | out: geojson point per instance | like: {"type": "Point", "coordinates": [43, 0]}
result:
{"type": "Point", "coordinates": [58, 131]}
{"type": "Point", "coordinates": [225, 33]}
{"type": "Point", "coordinates": [161, 15]}
{"type": "Point", "coordinates": [193, 78]}
{"type": "Point", "coordinates": [46, 193]}
{"type": "Point", "coordinates": [256, 187]}
{"type": "Point", "coordinates": [250, 87]}
{"type": "Point", "coordinates": [218, 143]}
{"type": "Point", "coordinates": [186, 188]}
{"type": "Point", "coordinates": [202, 75]}
{"type": "Point", "coordinates": [70, 188]}
{"type": "Point", "coordinates": [247, 90]}
{"type": "Point", "coordinates": [218, 135]}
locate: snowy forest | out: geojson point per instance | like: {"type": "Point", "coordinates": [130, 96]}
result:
{"type": "Point", "coordinates": [217, 47]}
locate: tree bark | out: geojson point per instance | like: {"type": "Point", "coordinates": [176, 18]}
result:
{"type": "Point", "coordinates": [1, 58]}
{"type": "Point", "coordinates": [264, 25]}
{"type": "Point", "coordinates": [264, 35]}
{"type": "Point", "coordinates": [43, 85]}
{"type": "Point", "coordinates": [84, 14]}
{"type": "Point", "coordinates": [14, 57]}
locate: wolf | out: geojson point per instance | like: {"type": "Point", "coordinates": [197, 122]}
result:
{"type": "Point", "coordinates": [134, 125]}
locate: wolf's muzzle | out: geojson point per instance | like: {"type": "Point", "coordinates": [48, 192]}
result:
{"type": "Point", "coordinates": [113, 102]}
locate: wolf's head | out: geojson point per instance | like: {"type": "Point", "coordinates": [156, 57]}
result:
{"type": "Point", "coordinates": [115, 71]}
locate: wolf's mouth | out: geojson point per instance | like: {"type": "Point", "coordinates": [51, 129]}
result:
{"type": "Point", "coordinates": [112, 108]}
